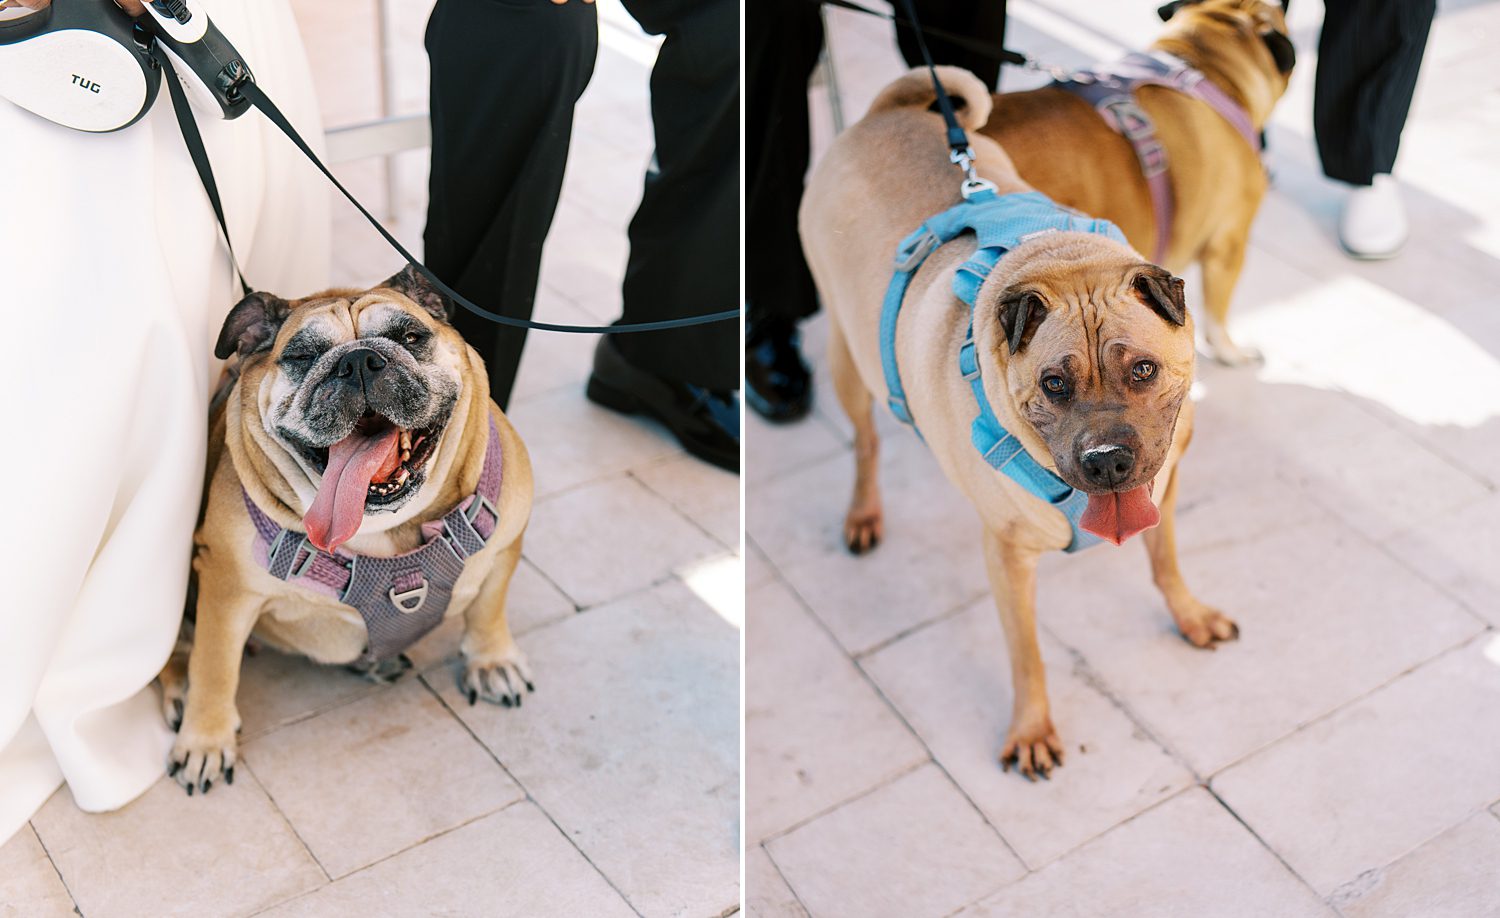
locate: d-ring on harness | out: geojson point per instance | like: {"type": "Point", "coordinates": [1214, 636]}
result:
{"type": "Point", "coordinates": [1000, 223]}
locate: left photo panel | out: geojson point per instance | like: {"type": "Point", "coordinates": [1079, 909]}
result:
{"type": "Point", "coordinates": [380, 551]}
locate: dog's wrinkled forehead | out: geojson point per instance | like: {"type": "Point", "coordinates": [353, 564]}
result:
{"type": "Point", "coordinates": [325, 323]}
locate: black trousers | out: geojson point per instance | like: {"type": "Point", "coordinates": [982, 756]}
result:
{"type": "Point", "coordinates": [1368, 58]}
{"type": "Point", "coordinates": [506, 75]}
{"type": "Point", "coordinates": [782, 41]}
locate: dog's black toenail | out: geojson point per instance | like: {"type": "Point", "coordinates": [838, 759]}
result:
{"type": "Point", "coordinates": [473, 697]}
{"type": "Point", "coordinates": [176, 767]}
{"type": "Point", "coordinates": [190, 790]}
{"type": "Point", "coordinates": [207, 785]}
{"type": "Point", "coordinates": [229, 775]}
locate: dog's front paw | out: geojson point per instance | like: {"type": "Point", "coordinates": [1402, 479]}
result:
{"type": "Point", "coordinates": [864, 526]}
{"type": "Point", "coordinates": [499, 678]}
{"type": "Point", "coordinates": [201, 759]}
{"type": "Point", "coordinates": [1224, 351]}
{"type": "Point", "coordinates": [1033, 748]}
{"type": "Point", "coordinates": [1204, 626]}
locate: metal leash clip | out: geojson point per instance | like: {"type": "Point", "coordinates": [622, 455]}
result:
{"type": "Point", "coordinates": [973, 184]}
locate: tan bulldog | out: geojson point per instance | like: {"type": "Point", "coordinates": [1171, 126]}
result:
{"type": "Point", "coordinates": [1063, 148]}
{"type": "Point", "coordinates": [357, 417]}
{"type": "Point", "coordinates": [1085, 351]}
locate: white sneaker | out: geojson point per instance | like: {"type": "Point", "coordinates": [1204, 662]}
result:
{"type": "Point", "coordinates": [1373, 224]}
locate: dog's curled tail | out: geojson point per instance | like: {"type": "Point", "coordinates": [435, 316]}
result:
{"type": "Point", "coordinates": [971, 100]}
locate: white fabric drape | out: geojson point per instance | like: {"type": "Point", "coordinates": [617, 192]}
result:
{"type": "Point", "coordinates": [113, 285]}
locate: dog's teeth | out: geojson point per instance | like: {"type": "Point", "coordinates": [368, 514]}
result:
{"type": "Point", "coordinates": [406, 440]}
{"type": "Point", "coordinates": [405, 455]}
{"type": "Point", "coordinates": [405, 474]}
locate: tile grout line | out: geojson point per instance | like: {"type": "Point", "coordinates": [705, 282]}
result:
{"type": "Point", "coordinates": [879, 693]}
{"type": "Point", "coordinates": [537, 803]}
{"type": "Point", "coordinates": [249, 769]}
{"type": "Point", "coordinates": [671, 504]}
{"type": "Point", "coordinates": [382, 859]}
{"type": "Point", "coordinates": [55, 869]}
{"type": "Point", "coordinates": [1264, 844]}
{"type": "Point", "coordinates": [788, 883]}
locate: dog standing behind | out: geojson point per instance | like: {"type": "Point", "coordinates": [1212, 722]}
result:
{"type": "Point", "coordinates": [1085, 350]}
{"type": "Point", "coordinates": [1062, 147]}
{"type": "Point", "coordinates": [359, 417]}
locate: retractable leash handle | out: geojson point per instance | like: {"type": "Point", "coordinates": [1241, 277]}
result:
{"type": "Point", "coordinates": [83, 64]}
{"type": "Point", "coordinates": [210, 68]}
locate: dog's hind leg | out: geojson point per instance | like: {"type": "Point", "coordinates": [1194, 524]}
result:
{"type": "Point", "coordinates": [1222, 260]}
{"type": "Point", "coordinates": [173, 678]}
{"type": "Point", "coordinates": [865, 523]}
{"type": "Point", "coordinates": [494, 667]}
{"type": "Point", "coordinates": [1031, 743]}
{"type": "Point", "coordinates": [1202, 625]}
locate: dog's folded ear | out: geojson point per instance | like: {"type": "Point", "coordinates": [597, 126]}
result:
{"type": "Point", "coordinates": [251, 325]}
{"type": "Point", "coordinates": [1281, 48]}
{"type": "Point", "coordinates": [1168, 10]}
{"type": "Point", "coordinates": [1163, 292]}
{"type": "Point", "coordinates": [1021, 311]}
{"type": "Point", "coordinates": [416, 286]}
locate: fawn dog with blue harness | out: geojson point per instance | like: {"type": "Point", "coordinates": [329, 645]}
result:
{"type": "Point", "coordinates": [1044, 363]}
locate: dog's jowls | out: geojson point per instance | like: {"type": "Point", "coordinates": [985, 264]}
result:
{"type": "Point", "coordinates": [1086, 354]}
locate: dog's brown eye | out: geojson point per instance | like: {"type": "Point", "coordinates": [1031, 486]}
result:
{"type": "Point", "coordinates": [412, 339]}
{"type": "Point", "coordinates": [1143, 371]}
{"type": "Point", "coordinates": [1054, 385]}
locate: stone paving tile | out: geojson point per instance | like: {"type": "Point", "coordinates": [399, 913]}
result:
{"type": "Point", "coordinates": [228, 852]}
{"type": "Point", "coordinates": [277, 689]}
{"type": "Point", "coordinates": [630, 744]}
{"type": "Point", "coordinates": [774, 449]}
{"type": "Point", "coordinates": [951, 682]}
{"type": "Point", "coordinates": [844, 863]}
{"type": "Point", "coordinates": [766, 893]}
{"type": "Point", "coordinates": [1357, 790]}
{"type": "Point", "coordinates": [816, 732]}
{"type": "Point", "coordinates": [1457, 551]}
{"type": "Point", "coordinates": [603, 540]}
{"type": "Point", "coordinates": [1451, 876]}
{"type": "Point", "coordinates": [31, 887]}
{"type": "Point", "coordinates": [514, 862]}
{"type": "Point", "coordinates": [572, 441]}
{"type": "Point", "coordinates": [929, 562]}
{"type": "Point", "coordinates": [1309, 642]}
{"type": "Point", "coordinates": [705, 494]}
{"type": "Point", "coordinates": [366, 780]}
{"type": "Point", "coordinates": [1186, 858]}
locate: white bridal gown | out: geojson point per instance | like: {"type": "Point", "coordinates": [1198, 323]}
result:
{"type": "Point", "coordinates": [113, 286]}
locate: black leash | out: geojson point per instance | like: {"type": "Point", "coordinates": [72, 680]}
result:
{"type": "Point", "coordinates": [1003, 55]}
{"type": "Point", "coordinates": [257, 98]}
{"type": "Point", "coordinates": [959, 151]}
{"type": "Point", "coordinates": [194, 141]}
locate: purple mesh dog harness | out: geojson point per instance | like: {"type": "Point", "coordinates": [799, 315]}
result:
{"type": "Point", "coordinates": [400, 598]}
{"type": "Point", "coordinates": [1111, 90]}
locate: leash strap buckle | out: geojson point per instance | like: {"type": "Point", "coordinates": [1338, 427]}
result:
{"type": "Point", "coordinates": [973, 184]}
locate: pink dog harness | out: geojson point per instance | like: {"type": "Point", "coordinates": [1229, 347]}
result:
{"type": "Point", "coordinates": [1111, 90]}
{"type": "Point", "coordinates": [400, 598]}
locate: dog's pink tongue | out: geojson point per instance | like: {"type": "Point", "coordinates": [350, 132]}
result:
{"type": "Point", "coordinates": [1119, 516]}
{"type": "Point", "coordinates": [335, 515]}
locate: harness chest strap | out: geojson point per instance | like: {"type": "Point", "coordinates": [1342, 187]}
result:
{"type": "Point", "coordinates": [1110, 89]}
{"type": "Point", "coordinates": [400, 598]}
{"type": "Point", "coordinates": [1000, 223]}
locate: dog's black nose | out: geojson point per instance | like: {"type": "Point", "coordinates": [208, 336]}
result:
{"type": "Point", "coordinates": [359, 367]}
{"type": "Point", "coordinates": [1107, 466]}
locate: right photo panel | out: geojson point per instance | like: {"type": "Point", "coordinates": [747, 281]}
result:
{"type": "Point", "coordinates": [1121, 507]}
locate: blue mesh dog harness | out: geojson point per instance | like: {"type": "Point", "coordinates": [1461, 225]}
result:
{"type": "Point", "coordinates": [1001, 222]}
{"type": "Point", "coordinates": [400, 598]}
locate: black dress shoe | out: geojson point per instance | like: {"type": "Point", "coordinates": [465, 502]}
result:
{"type": "Point", "coordinates": [706, 423]}
{"type": "Point", "coordinates": [778, 384]}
